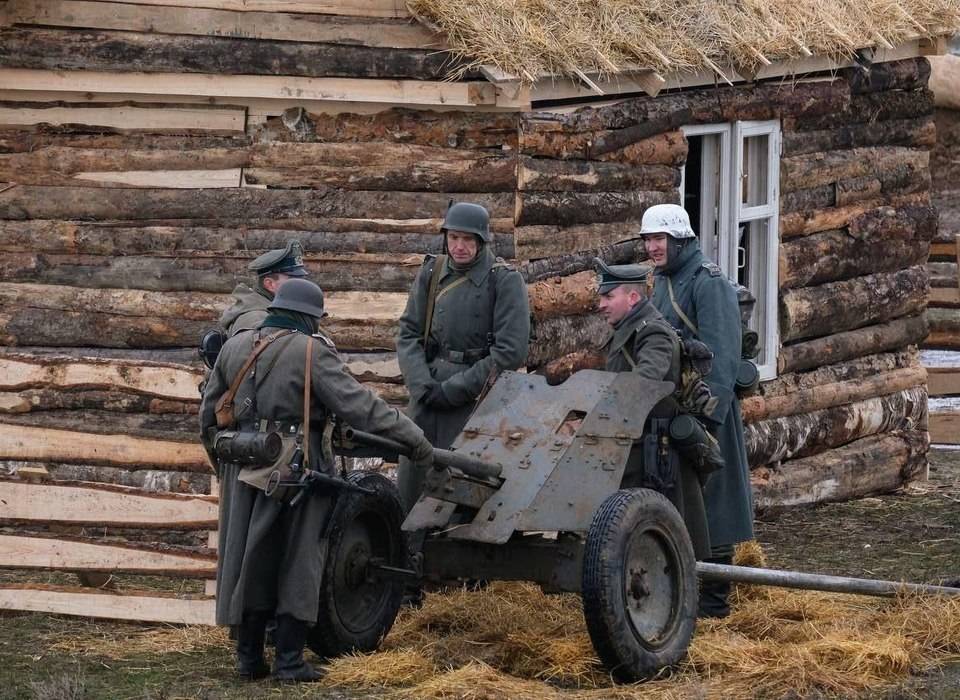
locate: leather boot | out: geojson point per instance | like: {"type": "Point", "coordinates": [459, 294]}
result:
{"type": "Point", "coordinates": [250, 663]}
{"type": "Point", "coordinates": [288, 664]}
{"type": "Point", "coordinates": [714, 594]}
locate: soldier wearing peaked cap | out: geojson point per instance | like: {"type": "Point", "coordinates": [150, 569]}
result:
{"type": "Point", "coordinates": [273, 268]}
{"type": "Point", "coordinates": [643, 342]}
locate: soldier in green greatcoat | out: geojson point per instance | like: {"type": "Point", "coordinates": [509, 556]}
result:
{"type": "Point", "coordinates": [696, 298]}
{"type": "Point", "coordinates": [643, 342]}
{"type": "Point", "coordinates": [270, 561]}
{"type": "Point", "coordinates": [273, 268]}
{"type": "Point", "coordinates": [467, 318]}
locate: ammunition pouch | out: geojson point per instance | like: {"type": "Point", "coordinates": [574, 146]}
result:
{"type": "Point", "coordinates": [210, 345]}
{"type": "Point", "coordinates": [696, 445]}
{"type": "Point", "coordinates": [659, 461]}
{"type": "Point", "coordinates": [748, 378]}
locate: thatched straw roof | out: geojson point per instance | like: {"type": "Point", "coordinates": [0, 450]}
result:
{"type": "Point", "coordinates": [533, 38]}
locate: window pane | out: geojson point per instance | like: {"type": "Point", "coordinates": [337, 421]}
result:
{"type": "Point", "coordinates": [753, 186]}
{"type": "Point", "coordinates": [701, 196]}
{"type": "Point", "coordinates": [754, 267]}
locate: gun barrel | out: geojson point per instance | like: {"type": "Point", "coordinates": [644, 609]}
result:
{"type": "Point", "coordinates": [445, 458]}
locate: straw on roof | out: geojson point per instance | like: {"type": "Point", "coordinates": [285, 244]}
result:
{"type": "Point", "coordinates": [533, 38]}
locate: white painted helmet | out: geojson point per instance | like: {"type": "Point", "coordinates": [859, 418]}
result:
{"type": "Point", "coordinates": [671, 219]}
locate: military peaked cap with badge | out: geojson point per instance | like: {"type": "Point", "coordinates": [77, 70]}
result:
{"type": "Point", "coordinates": [611, 276]}
{"type": "Point", "coordinates": [287, 260]}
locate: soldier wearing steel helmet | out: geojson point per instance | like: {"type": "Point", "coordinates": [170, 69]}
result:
{"type": "Point", "coordinates": [696, 298]}
{"type": "Point", "coordinates": [467, 318]}
{"type": "Point", "coordinates": [273, 268]}
{"type": "Point", "coordinates": [270, 560]}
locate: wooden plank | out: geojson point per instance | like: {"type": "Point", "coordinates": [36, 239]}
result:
{"type": "Point", "coordinates": [31, 372]}
{"type": "Point", "coordinates": [945, 428]}
{"type": "Point", "coordinates": [358, 8]}
{"type": "Point", "coordinates": [128, 16]}
{"type": "Point", "coordinates": [19, 552]}
{"type": "Point", "coordinates": [144, 607]}
{"type": "Point", "coordinates": [943, 249]}
{"type": "Point", "coordinates": [30, 443]}
{"type": "Point", "coordinates": [177, 179]}
{"type": "Point", "coordinates": [416, 92]}
{"type": "Point", "coordinates": [103, 505]}
{"type": "Point", "coordinates": [129, 117]}
{"type": "Point", "coordinates": [944, 296]}
{"type": "Point", "coordinates": [943, 381]}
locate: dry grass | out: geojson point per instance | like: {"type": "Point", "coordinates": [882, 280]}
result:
{"type": "Point", "coordinates": [532, 38]}
{"type": "Point", "coordinates": [118, 642]}
{"type": "Point", "coordinates": [511, 641]}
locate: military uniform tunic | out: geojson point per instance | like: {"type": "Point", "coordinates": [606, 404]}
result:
{"type": "Point", "coordinates": [270, 554]}
{"type": "Point", "coordinates": [480, 324]}
{"type": "Point", "coordinates": [710, 302]}
{"type": "Point", "coordinates": [654, 349]}
{"type": "Point", "coordinates": [247, 312]}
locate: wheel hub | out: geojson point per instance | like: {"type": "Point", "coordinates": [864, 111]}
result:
{"type": "Point", "coordinates": [651, 590]}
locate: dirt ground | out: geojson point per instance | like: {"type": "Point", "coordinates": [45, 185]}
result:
{"type": "Point", "coordinates": [910, 535]}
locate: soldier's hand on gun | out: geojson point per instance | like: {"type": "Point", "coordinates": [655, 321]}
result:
{"type": "Point", "coordinates": [422, 455]}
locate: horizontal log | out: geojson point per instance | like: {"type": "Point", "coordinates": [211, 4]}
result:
{"type": "Point", "coordinates": [544, 141]}
{"type": "Point", "coordinates": [412, 236]}
{"type": "Point", "coordinates": [375, 31]}
{"type": "Point", "coordinates": [585, 259]}
{"type": "Point", "coordinates": [906, 74]}
{"type": "Point", "coordinates": [30, 443]}
{"type": "Point", "coordinates": [806, 434]}
{"type": "Point", "coordinates": [587, 208]}
{"type": "Point", "coordinates": [32, 372]}
{"type": "Point", "coordinates": [832, 256]}
{"type": "Point", "coordinates": [83, 136]}
{"type": "Point", "coordinates": [153, 481]}
{"type": "Point", "coordinates": [187, 358]}
{"type": "Point", "coordinates": [551, 241]}
{"type": "Point", "coordinates": [944, 329]}
{"type": "Point", "coordinates": [559, 370]}
{"type": "Point", "coordinates": [70, 49]}
{"type": "Point", "coordinates": [548, 175]}
{"type": "Point", "coordinates": [556, 337]}
{"type": "Point", "coordinates": [869, 108]}
{"type": "Point", "coordinates": [28, 400]}
{"type": "Point", "coordinates": [896, 181]}
{"type": "Point", "coordinates": [944, 274]}
{"type": "Point", "coordinates": [103, 505]}
{"type": "Point", "coordinates": [948, 204]}
{"type": "Point", "coordinates": [360, 8]}
{"type": "Point", "coordinates": [169, 119]}
{"type": "Point", "coordinates": [145, 606]}
{"type": "Point", "coordinates": [910, 133]}
{"type": "Point", "coordinates": [804, 223]}
{"type": "Point", "coordinates": [759, 408]}
{"type": "Point", "coordinates": [833, 307]}
{"type": "Point", "coordinates": [943, 381]}
{"type": "Point", "coordinates": [847, 345]}
{"type": "Point", "coordinates": [876, 464]}
{"type": "Point", "coordinates": [945, 428]}
{"type": "Point", "coordinates": [918, 222]}
{"type": "Point", "coordinates": [38, 202]}
{"type": "Point", "coordinates": [50, 554]}
{"type": "Point", "coordinates": [856, 369]}
{"type": "Point", "coordinates": [943, 296]}
{"type": "Point", "coordinates": [814, 169]}
{"type": "Point", "coordinates": [563, 296]}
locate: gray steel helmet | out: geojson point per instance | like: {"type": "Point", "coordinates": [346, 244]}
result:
{"type": "Point", "coordinates": [299, 295]}
{"type": "Point", "coordinates": [468, 218]}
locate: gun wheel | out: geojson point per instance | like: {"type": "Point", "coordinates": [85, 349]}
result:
{"type": "Point", "coordinates": [356, 609]}
{"type": "Point", "coordinates": [639, 584]}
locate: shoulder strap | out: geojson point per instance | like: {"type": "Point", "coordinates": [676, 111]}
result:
{"type": "Point", "coordinates": [226, 401]}
{"type": "Point", "coordinates": [676, 307]}
{"type": "Point", "coordinates": [438, 264]}
{"type": "Point", "coordinates": [307, 374]}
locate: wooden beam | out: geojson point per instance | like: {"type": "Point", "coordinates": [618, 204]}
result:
{"type": "Point", "coordinates": [943, 381]}
{"type": "Point", "coordinates": [144, 606]}
{"type": "Point", "coordinates": [943, 249]}
{"type": "Point", "coordinates": [207, 85]}
{"type": "Point", "coordinates": [945, 296]}
{"type": "Point", "coordinates": [130, 117]}
{"type": "Point", "coordinates": [105, 505]}
{"type": "Point", "coordinates": [175, 179]}
{"type": "Point", "coordinates": [18, 552]}
{"type": "Point", "coordinates": [358, 8]}
{"type": "Point", "coordinates": [246, 24]}
{"type": "Point", "coordinates": [945, 428]}
{"type": "Point", "coordinates": [22, 442]}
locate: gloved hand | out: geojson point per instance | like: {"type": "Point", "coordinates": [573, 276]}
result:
{"type": "Point", "coordinates": [435, 398]}
{"type": "Point", "coordinates": [422, 455]}
{"type": "Point", "coordinates": [702, 400]}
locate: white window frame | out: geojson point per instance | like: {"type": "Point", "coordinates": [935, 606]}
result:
{"type": "Point", "coordinates": [731, 213]}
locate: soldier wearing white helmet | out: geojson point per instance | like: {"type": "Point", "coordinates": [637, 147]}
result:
{"type": "Point", "coordinates": [696, 298]}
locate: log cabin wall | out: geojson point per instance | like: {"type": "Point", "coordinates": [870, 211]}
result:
{"type": "Point", "coordinates": [944, 312]}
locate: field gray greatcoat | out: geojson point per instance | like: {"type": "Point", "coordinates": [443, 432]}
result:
{"type": "Point", "coordinates": [480, 326]}
{"type": "Point", "coordinates": [270, 555]}
{"type": "Point", "coordinates": [710, 302]}
{"type": "Point", "coordinates": [654, 348]}
{"type": "Point", "coordinates": [247, 311]}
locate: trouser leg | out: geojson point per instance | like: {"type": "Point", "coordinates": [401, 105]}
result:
{"type": "Point", "coordinates": [290, 638]}
{"type": "Point", "coordinates": [715, 594]}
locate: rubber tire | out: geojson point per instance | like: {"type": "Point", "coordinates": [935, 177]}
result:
{"type": "Point", "coordinates": [632, 516]}
{"type": "Point", "coordinates": [380, 516]}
